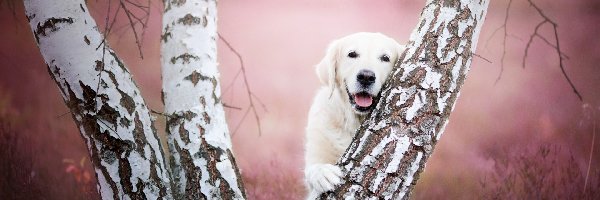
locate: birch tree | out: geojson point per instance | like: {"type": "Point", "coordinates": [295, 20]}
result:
{"type": "Point", "coordinates": [113, 117]}
{"type": "Point", "coordinates": [201, 158]}
{"type": "Point", "coordinates": [104, 101]}
{"type": "Point", "coordinates": [392, 146]}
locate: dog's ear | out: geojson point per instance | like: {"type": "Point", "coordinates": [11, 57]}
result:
{"type": "Point", "coordinates": [327, 68]}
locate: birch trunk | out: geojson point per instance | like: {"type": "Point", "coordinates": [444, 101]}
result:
{"type": "Point", "coordinates": [202, 163]}
{"type": "Point", "coordinates": [103, 99]}
{"type": "Point", "coordinates": [392, 146]}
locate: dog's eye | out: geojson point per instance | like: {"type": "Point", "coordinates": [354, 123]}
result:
{"type": "Point", "coordinates": [385, 58]}
{"type": "Point", "coordinates": [353, 54]}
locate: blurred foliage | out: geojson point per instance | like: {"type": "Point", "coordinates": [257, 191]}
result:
{"type": "Point", "coordinates": [272, 180]}
{"type": "Point", "coordinates": [16, 167]}
{"type": "Point", "coordinates": [538, 172]}
{"type": "Point", "coordinates": [27, 168]}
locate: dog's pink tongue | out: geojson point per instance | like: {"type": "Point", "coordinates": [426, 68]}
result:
{"type": "Point", "coordinates": [363, 100]}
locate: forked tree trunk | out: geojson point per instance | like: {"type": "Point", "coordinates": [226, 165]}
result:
{"type": "Point", "coordinates": [103, 99]}
{"type": "Point", "coordinates": [202, 162]}
{"type": "Point", "coordinates": [392, 146]}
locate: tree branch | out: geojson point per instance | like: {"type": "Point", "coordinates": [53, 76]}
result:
{"type": "Point", "coordinates": [535, 34]}
{"type": "Point", "coordinates": [249, 92]}
{"type": "Point", "coordinates": [503, 41]}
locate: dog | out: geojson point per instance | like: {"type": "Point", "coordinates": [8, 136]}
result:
{"type": "Point", "coordinates": [351, 73]}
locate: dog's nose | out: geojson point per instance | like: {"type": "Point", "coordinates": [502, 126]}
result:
{"type": "Point", "coordinates": [366, 77]}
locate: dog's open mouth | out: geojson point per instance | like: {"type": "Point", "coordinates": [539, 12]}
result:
{"type": "Point", "coordinates": [362, 102]}
{"type": "Point", "coordinates": [363, 99]}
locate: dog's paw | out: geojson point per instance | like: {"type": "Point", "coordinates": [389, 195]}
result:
{"type": "Point", "coordinates": [322, 177]}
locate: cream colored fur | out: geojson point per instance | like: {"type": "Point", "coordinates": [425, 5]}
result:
{"type": "Point", "coordinates": [332, 119]}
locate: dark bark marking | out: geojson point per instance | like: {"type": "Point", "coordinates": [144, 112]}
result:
{"type": "Point", "coordinates": [166, 34]}
{"type": "Point", "coordinates": [193, 174]}
{"type": "Point", "coordinates": [81, 6]}
{"type": "Point", "coordinates": [112, 78]}
{"type": "Point", "coordinates": [86, 40]}
{"type": "Point", "coordinates": [189, 115]}
{"type": "Point", "coordinates": [421, 26]}
{"type": "Point", "coordinates": [185, 58]}
{"type": "Point", "coordinates": [194, 77]}
{"type": "Point", "coordinates": [116, 58]}
{"type": "Point", "coordinates": [409, 157]}
{"type": "Point", "coordinates": [451, 3]}
{"type": "Point", "coordinates": [125, 122]}
{"type": "Point", "coordinates": [108, 114]}
{"type": "Point", "coordinates": [127, 102]}
{"type": "Point", "coordinates": [49, 26]}
{"type": "Point", "coordinates": [204, 21]}
{"type": "Point", "coordinates": [30, 17]}
{"type": "Point", "coordinates": [214, 155]}
{"type": "Point", "coordinates": [206, 117]}
{"type": "Point", "coordinates": [125, 174]}
{"type": "Point", "coordinates": [103, 97]}
{"type": "Point", "coordinates": [99, 65]}
{"type": "Point", "coordinates": [203, 101]}
{"type": "Point", "coordinates": [178, 3]}
{"type": "Point", "coordinates": [138, 135]}
{"type": "Point", "coordinates": [214, 90]}
{"type": "Point", "coordinates": [184, 134]}
{"type": "Point", "coordinates": [89, 97]}
{"type": "Point", "coordinates": [240, 183]}
{"type": "Point", "coordinates": [154, 177]}
{"type": "Point", "coordinates": [189, 20]}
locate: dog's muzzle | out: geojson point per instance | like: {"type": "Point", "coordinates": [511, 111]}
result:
{"type": "Point", "coordinates": [362, 102]}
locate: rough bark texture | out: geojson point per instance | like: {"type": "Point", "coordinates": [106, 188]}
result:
{"type": "Point", "coordinates": [392, 146]}
{"type": "Point", "coordinates": [202, 163]}
{"type": "Point", "coordinates": [103, 99]}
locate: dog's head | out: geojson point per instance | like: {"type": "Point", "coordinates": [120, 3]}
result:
{"type": "Point", "coordinates": [358, 65]}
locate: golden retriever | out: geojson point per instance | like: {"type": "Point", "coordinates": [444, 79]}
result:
{"type": "Point", "coordinates": [351, 73]}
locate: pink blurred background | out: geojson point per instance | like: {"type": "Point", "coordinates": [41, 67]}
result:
{"type": "Point", "coordinates": [528, 111]}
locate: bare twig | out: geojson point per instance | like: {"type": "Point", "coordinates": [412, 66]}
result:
{"type": "Point", "coordinates": [249, 92]}
{"type": "Point", "coordinates": [561, 56]}
{"type": "Point", "coordinates": [264, 107]}
{"type": "Point", "coordinates": [62, 115]}
{"type": "Point", "coordinates": [230, 86]}
{"type": "Point", "coordinates": [241, 121]}
{"type": "Point", "coordinates": [232, 107]}
{"type": "Point", "coordinates": [134, 20]}
{"type": "Point", "coordinates": [487, 42]}
{"type": "Point", "coordinates": [143, 21]}
{"type": "Point", "coordinates": [479, 56]}
{"type": "Point", "coordinates": [159, 113]}
{"type": "Point", "coordinates": [535, 34]}
{"type": "Point", "coordinates": [504, 42]}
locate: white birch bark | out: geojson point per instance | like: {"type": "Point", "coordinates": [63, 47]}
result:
{"type": "Point", "coordinates": [392, 146]}
{"type": "Point", "coordinates": [202, 163]}
{"type": "Point", "coordinates": [103, 99]}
